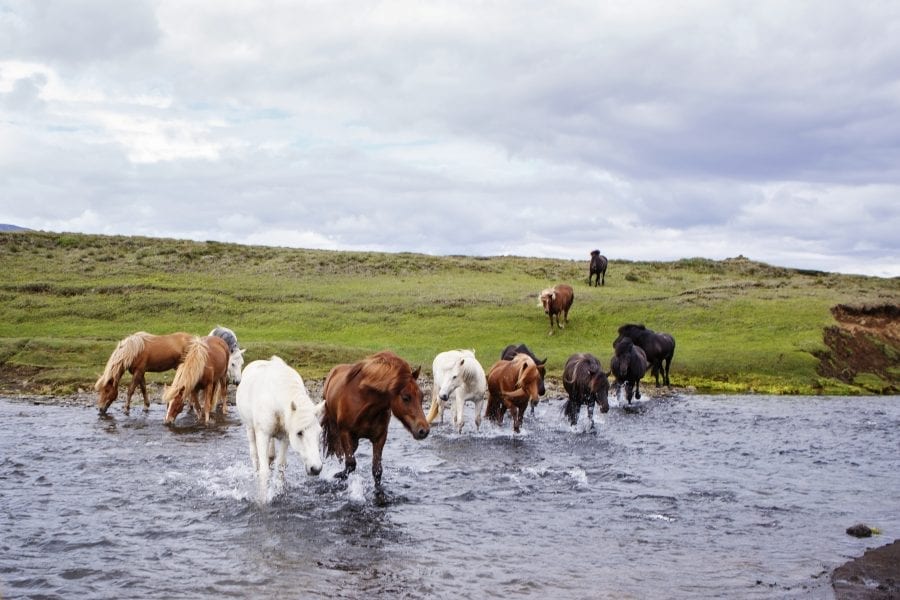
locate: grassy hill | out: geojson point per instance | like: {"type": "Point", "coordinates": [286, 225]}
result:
{"type": "Point", "coordinates": [66, 299]}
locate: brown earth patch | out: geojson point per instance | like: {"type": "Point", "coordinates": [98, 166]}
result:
{"type": "Point", "coordinates": [865, 340]}
{"type": "Point", "coordinates": [873, 576]}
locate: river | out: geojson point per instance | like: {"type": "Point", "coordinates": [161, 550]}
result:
{"type": "Point", "coordinates": [686, 496]}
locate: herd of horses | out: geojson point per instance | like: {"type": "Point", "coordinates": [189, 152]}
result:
{"type": "Point", "coordinates": [360, 398]}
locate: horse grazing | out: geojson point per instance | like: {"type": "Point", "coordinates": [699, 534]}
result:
{"type": "Point", "coordinates": [659, 348]}
{"type": "Point", "coordinates": [138, 353]}
{"type": "Point", "coordinates": [628, 366]}
{"type": "Point", "coordinates": [457, 373]}
{"type": "Point", "coordinates": [586, 384]}
{"type": "Point", "coordinates": [359, 401]}
{"type": "Point", "coordinates": [557, 301]}
{"type": "Point", "coordinates": [274, 405]}
{"type": "Point", "coordinates": [235, 360]}
{"type": "Point", "coordinates": [512, 384]}
{"type": "Point", "coordinates": [204, 367]}
{"type": "Point", "coordinates": [597, 268]}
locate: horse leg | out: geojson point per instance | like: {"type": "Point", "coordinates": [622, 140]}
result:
{"type": "Point", "coordinates": [349, 445]}
{"type": "Point", "coordinates": [135, 378]}
{"type": "Point", "coordinates": [377, 447]}
{"type": "Point", "coordinates": [281, 462]}
{"type": "Point", "coordinates": [517, 414]}
{"type": "Point", "coordinates": [603, 273]}
{"type": "Point", "coordinates": [666, 363]}
{"type": "Point", "coordinates": [478, 404]}
{"type": "Point", "coordinates": [459, 407]}
{"type": "Point", "coordinates": [590, 412]}
{"type": "Point", "coordinates": [262, 443]}
{"type": "Point", "coordinates": [637, 389]}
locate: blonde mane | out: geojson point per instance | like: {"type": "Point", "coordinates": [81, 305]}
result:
{"type": "Point", "coordinates": [125, 353]}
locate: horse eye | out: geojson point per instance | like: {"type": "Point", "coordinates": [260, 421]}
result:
{"type": "Point", "coordinates": [299, 434]}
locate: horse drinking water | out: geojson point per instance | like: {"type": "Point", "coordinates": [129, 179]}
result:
{"type": "Point", "coordinates": [359, 401]}
{"type": "Point", "coordinates": [586, 384]}
{"type": "Point", "coordinates": [274, 405]}
{"type": "Point", "coordinates": [204, 367]}
{"type": "Point", "coordinates": [512, 384]}
{"type": "Point", "coordinates": [235, 361]}
{"type": "Point", "coordinates": [457, 373]}
{"type": "Point", "coordinates": [139, 353]}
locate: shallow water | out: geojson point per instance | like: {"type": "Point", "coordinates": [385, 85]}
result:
{"type": "Point", "coordinates": [685, 497]}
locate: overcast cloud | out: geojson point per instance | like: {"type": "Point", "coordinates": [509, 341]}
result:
{"type": "Point", "coordinates": [650, 130]}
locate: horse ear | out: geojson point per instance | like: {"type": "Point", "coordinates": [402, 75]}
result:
{"type": "Point", "coordinates": [415, 373]}
{"type": "Point", "coordinates": [320, 410]}
{"type": "Point", "coordinates": [241, 351]}
{"type": "Point", "coordinates": [540, 362]}
{"type": "Point", "coordinates": [462, 361]}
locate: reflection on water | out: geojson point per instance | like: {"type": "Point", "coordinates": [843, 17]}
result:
{"type": "Point", "coordinates": [689, 497]}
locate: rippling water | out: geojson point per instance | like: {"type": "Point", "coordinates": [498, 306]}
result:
{"type": "Point", "coordinates": [685, 497]}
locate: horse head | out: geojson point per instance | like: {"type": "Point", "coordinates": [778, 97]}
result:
{"type": "Point", "coordinates": [527, 376]}
{"type": "Point", "coordinates": [406, 405]}
{"type": "Point", "coordinates": [548, 295]}
{"type": "Point", "coordinates": [236, 365]}
{"type": "Point", "coordinates": [599, 386]}
{"type": "Point", "coordinates": [108, 390]}
{"type": "Point", "coordinates": [174, 398]}
{"type": "Point", "coordinates": [452, 380]}
{"type": "Point", "coordinates": [304, 432]}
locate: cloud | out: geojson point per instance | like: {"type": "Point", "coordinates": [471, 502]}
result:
{"type": "Point", "coordinates": [650, 130]}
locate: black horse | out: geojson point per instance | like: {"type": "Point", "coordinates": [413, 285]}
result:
{"type": "Point", "coordinates": [586, 384]}
{"type": "Point", "coordinates": [628, 366]}
{"type": "Point", "coordinates": [659, 348]}
{"type": "Point", "coordinates": [598, 268]}
{"type": "Point", "coordinates": [510, 352]}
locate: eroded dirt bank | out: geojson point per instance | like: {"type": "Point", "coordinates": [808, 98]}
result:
{"type": "Point", "coordinates": [865, 342]}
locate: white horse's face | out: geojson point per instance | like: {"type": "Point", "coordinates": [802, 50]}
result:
{"type": "Point", "coordinates": [235, 366]}
{"type": "Point", "coordinates": [304, 434]}
{"type": "Point", "coordinates": [451, 382]}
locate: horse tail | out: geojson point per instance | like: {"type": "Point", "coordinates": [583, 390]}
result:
{"type": "Point", "coordinates": [190, 370]}
{"type": "Point", "coordinates": [123, 356]}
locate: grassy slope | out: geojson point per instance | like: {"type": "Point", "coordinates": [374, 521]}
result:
{"type": "Point", "coordinates": [66, 299]}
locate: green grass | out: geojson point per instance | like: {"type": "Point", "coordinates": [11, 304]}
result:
{"type": "Point", "coordinates": [66, 299]}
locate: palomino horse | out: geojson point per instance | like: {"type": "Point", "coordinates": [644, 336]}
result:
{"type": "Point", "coordinates": [659, 348]}
{"type": "Point", "coordinates": [457, 373]}
{"type": "Point", "coordinates": [359, 401]}
{"type": "Point", "coordinates": [204, 367]}
{"type": "Point", "coordinates": [586, 384]}
{"type": "Point", "coordinates": [235, 361]}
{"type": "Point", "coordinates": [274, 405]}
{"type": "Point", "coordinates": [628, 366]}
{"type": "Point", "coordinates": [510, 352]}
{"type": "Point", "coordinates": [511, 385]}
{"type": "Point", "coordinates": [597, 268]}
{"type": "Point", "coordinates": [138, 353]}
{"type": "Point", "coordinates": [557, 301]}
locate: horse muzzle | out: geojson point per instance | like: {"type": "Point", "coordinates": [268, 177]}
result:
{"type": "Point", "coordinates": [421, 433]}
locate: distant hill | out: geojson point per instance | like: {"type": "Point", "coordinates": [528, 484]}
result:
{"type": "Point", "coordinates": [7, 227]}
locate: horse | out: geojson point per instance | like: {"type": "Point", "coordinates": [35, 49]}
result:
{"type": "Point", "coordinates": [510, 352]}
{"type": "Point", "coordinates": [512, 384]}
{"type": "Point", "coordinates": [205, 366]}
{"type": "Point", "coordinates": [139, 353]}
{"type": "Point", "coordinates": [359, 401]}
{"type": "Point", "coordinates": [628, 366]}
{"type": "Point", "coordinates": [598, 268]}
{"type": "Point", "coordinates": [557, 301]}
{"type": "Point", "coordinates": [659, 348]}
{"type": "Point", "coordinates": [274, 405]}
{"type": "Point", "coordinates": [459, 373]}
{"type": "Point", "coordinates": [586, 384]}
{"type": "Point", "coordinates": [235, 361]}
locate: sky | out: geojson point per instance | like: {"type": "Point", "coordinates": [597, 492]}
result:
{"type": "Point", "coordinates": [651, 130]}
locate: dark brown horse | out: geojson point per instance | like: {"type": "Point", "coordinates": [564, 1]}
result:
{"type": "Point", "coordinates": [597, 268]}
{"type": "Point", "coordinates": [586, 384]}
{"type": "Point", "coordinates": [628, 366]}
{"type": "Point", "coordinates": [359, 401]}
{"type": "Point", "coordinates": [512, 384]}
{"type": "Point", "coordinates": [659, 348]}
{"type": "Point", "coordinates": [205, 367]}
{"type": "Point", "coordinates": [138, 353]}
{"type": "Point", "coordinates": [557, 301]}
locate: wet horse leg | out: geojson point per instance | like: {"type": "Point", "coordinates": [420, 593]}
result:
{"type": "Point", "coordinates": [137, 377]}
{"type": "Point", "coordinates": [458, 407]}
{"type": "Point", "coordinates": [259, 445]}
{"type": "Point", "coordinates": [377, 447]}
{"type": "Point", "coordinates": [349, 444]}
{"type": "Point", "coordinates": [281, 461]}
{"type": "Point", "coordinates": [479, 404]}
{"type": "Point", "coordinates": [590, 412]}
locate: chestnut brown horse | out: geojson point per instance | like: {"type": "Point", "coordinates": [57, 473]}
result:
{"type": "Point", "coordinates": [205, 367]}
{"type": "Point", "coordinates": [359, 401]}
{"type": "Point", "coordinates": [138, 353]}
{"type": "Point", "coordinates": [512, 384]}
{"type": "Point", "coordinates": [557, 301]}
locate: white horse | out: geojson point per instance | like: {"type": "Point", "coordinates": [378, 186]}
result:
{"type": "Point", "coordinates": [459, 373]}
{"type": "Point", "coordinates": [274, 404]}
{"type": "Point", "coordinates": [235, 361]}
